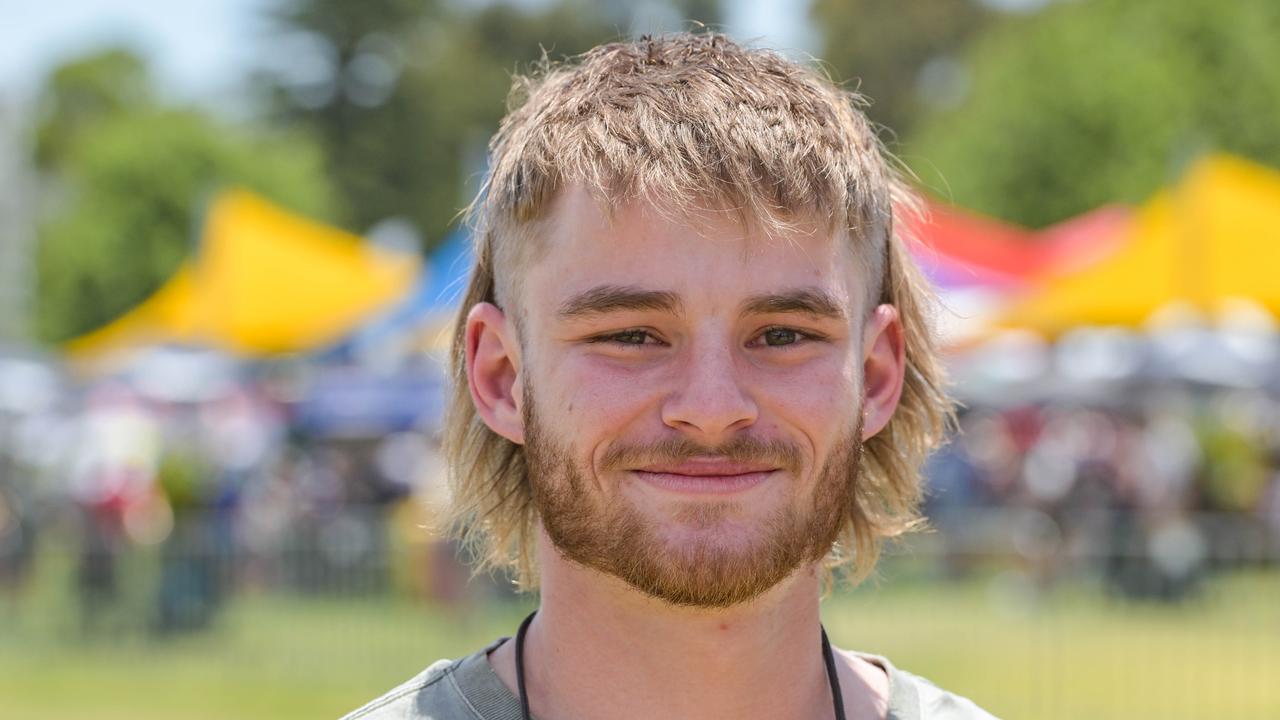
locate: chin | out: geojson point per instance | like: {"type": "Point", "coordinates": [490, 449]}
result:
{"type": "Point", "coordinates": [710, 527]}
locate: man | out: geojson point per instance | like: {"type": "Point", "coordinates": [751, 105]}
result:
{"type": "Point", "coordinates": [694, 376]}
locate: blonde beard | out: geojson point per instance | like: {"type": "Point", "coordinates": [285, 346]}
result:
{"type": "Point", "coordinates": [618, 540]}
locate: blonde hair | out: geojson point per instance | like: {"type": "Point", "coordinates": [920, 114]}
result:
{"type": "Point", "coordinates": [693, 119]}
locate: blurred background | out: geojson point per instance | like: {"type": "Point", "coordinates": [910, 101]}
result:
{"type": "Point", "coordinates": [229, 249]}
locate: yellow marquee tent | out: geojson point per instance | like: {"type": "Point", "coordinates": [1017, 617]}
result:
{"type": "Point", "coordinates": [265, 281]}
{"type": "Point", "coordinates": [1212, 239]}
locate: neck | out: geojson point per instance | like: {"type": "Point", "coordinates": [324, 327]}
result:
{"type": "Point", "coordinates": [599, 648]}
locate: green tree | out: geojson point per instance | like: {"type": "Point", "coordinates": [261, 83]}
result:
{"type": "Point", "coordinates": [129, 180]}
{"type": "Point", "coordinates": [81, 92]}
{"type": "Point", "coordinates": [407, 149]}
{"type": "Point", "coordinates": [1107, 100]}
{"type": "Point", "coordinates": [883, 47]}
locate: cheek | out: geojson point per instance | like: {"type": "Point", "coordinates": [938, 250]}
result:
{"type": "Point", "coordinates": [820, 398]}
{"type": "Point", "coordinates": [594, 399]}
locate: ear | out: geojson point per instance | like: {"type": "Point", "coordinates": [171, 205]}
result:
{"type": "Point", "coordinates": [883, 368]}
{"type": "Point", "coordinates": [493, 371]}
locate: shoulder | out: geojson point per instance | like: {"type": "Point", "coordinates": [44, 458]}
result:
{"type": "Point", "coordinates": [937, 704]}
{"type": "Point", "coordinates": [912, 697]}
{"type": "Point", "coordinates": [429, 695]}
{"type": "Point", "coordinates": [463, 689]}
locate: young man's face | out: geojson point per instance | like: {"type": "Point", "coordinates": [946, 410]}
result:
{"type": "Point", "coordinates": [690, 396]}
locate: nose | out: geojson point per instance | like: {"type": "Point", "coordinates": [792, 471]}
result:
{"type": "Point", "coordinates": [710, 402]}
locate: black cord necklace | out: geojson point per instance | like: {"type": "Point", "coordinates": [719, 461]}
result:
{"type": "Point", "coordinates": [828, 657]}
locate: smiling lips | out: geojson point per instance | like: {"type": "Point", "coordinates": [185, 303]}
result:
{"type": "Point", "coordinates": [705, 475]}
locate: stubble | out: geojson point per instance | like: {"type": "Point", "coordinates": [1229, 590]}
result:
{"type": "Point", "coordinates": [614, 537]}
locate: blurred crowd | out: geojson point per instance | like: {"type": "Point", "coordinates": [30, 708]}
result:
{"type": "Point", "coordinates": [163, 501]}
{"type": "Point", "coordinates": [247, 483]}
{"type": "Point", "coordinates": [1148, 490]}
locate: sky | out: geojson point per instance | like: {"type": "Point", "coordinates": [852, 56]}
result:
{"type": "Point", "coordinates": [201, 49]}
{"type": "Point", "coordinates": [197, 47]}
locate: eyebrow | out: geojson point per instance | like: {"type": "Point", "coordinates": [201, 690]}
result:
{"type": "Point", "coordinates": [604, 299]}
{"type": "Point", "coordinates": [806, 301]}
{"type": "Point", "coordinates": [613, 298]}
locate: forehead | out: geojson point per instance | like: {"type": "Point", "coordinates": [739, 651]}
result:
{"type": "Point", "coordinates": [708, 255]}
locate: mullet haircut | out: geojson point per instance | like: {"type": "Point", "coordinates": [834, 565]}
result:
{"type": "Point", "coordinates": [692, 122]}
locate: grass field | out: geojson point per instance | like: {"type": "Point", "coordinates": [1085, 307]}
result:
{"type": "Point", "coordinates": [1071, 654]}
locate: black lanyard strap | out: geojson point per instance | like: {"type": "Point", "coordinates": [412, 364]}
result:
{"type": "Point", "coordinates": [828, 657]}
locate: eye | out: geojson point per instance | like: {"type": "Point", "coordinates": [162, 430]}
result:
{"type": "Point", "coordinates": [632, 338]}
{"type": "Point", "coordinates": [781, 337]}
{"type": "Point", "coordinates": [785, 337]}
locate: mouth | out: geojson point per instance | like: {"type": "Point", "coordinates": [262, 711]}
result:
{"type": "Point", "coordinates": [705, 475]}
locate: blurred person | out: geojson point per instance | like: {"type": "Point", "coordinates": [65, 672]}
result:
{"type": "Point", "coordinates": [38, 452]}
{"type": "Point", "coordinates": [114, 468]}
{"type": "Point", "coordinates": [17, 529]}
{"type": "Point", "coordinates": [989, 440]}
{"type": "Point", "coordinates": [17, 533]}
{"type": "Point", "coordinates": [1269, 508]}
{"type": "Point", "coordinates": [1232, 431]}
{"type": "Point", "coordinates": [676, 375]}
{"type": "Point", "coordinates": [954, 501]}
{"type": "Point", "coordinates": [238, 432]}
{"type": "Point", "coordinates": [190, 589]}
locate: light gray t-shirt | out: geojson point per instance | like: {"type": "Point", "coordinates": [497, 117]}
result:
{"type": "Point", "coordinates": [469, 689]}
